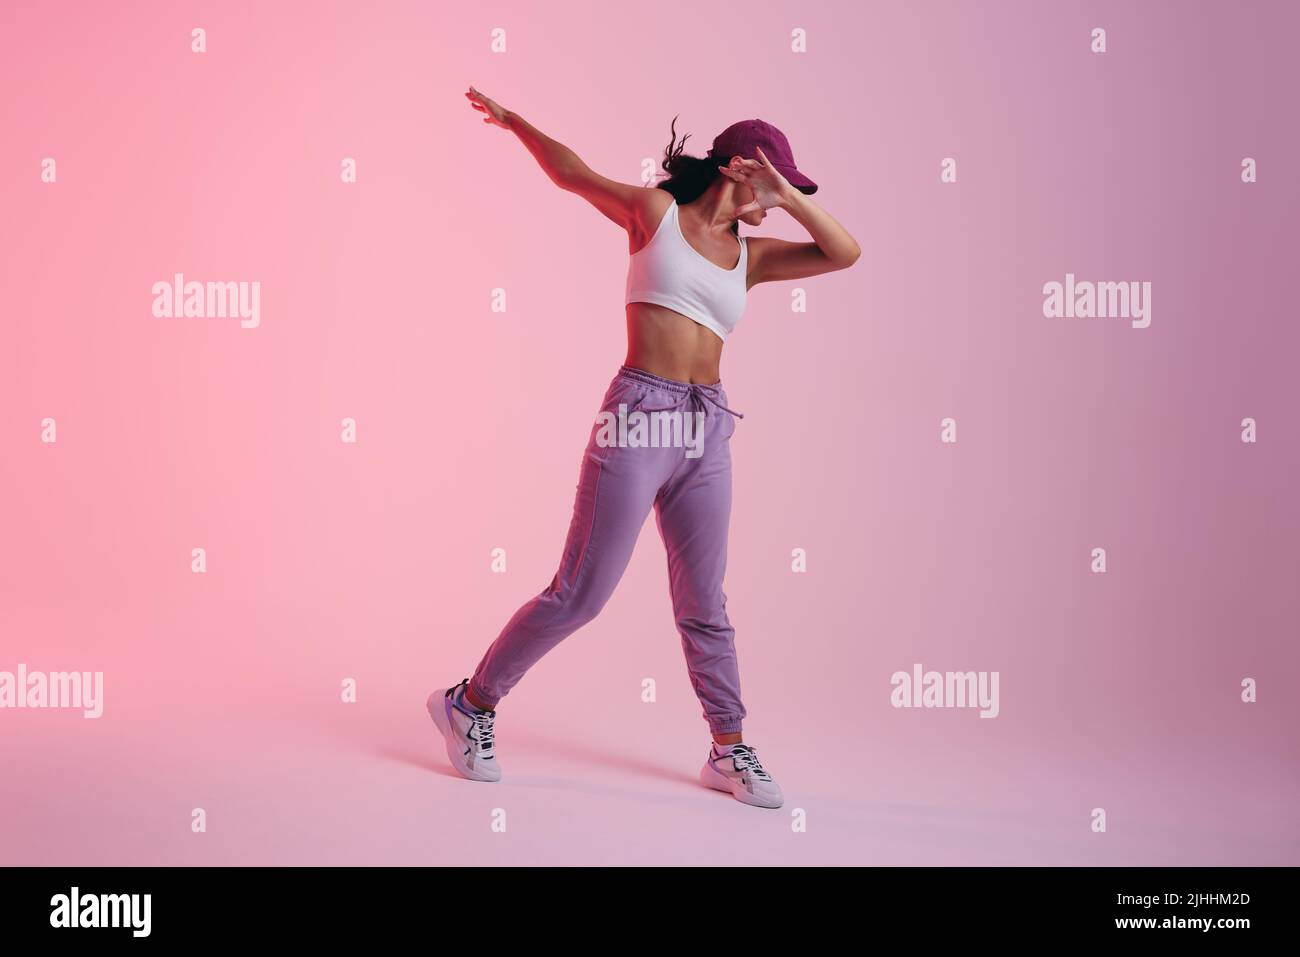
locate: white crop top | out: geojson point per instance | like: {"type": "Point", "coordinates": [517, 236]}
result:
{"type": "Point", "coordinates": [670, 272]}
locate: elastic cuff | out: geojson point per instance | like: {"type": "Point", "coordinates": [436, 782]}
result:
{"type": "Point", "coordinates": [478, 693]}
{"type": "Point", "coordinates": [724, 725]}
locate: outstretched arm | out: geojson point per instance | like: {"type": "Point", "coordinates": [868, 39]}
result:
{"type": "Point", "coordinates": [621, 202]}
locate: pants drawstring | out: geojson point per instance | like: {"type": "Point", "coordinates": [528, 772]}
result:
{"type": "Point", "coordinates": [697, 395]}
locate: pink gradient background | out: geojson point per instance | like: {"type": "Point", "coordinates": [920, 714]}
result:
{"type": "Point", "coordinates": [371, 561]}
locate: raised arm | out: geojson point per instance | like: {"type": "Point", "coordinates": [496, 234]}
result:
{"type": "Point", "coordinates": [623, 203]}
{"type": "Point", "coordinates": [772, 260]}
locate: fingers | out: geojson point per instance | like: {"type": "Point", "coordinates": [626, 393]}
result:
{"type": "Point", "coordinates": [762, 156]}
{"type": "Point", "coordinates": [482, 109]}
{"type": "Point", "coordinates": [748, 208]}
{"type": "Point", "coordinates": [479, 102]}
{"type": "Point", "coordinates": [731, 174]}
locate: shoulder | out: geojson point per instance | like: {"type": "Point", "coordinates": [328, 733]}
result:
{"type": "Point", "coordinates": [655, 203]}
{"type": "Point", "coordinates": [754, 246]}
{"type": "Point", "coordinates": [649, 210]}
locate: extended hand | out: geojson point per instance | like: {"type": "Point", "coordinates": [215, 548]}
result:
{"type": "Point", "coordinates": [496, 115]}
{"type": "Point", "coordinates": [769, 186]}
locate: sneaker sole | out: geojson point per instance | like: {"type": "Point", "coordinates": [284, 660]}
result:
{"type": "Point", "coordinates": [438, 715]}
{"type": "Point", "coordinates": [720, 782]}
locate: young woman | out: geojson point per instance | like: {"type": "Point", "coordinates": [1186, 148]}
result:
{"type": "Point", "coordinates": [687, 281]}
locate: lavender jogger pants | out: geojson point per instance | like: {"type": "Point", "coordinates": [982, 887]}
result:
{"type": "Point", "coordinates": [679, 463]}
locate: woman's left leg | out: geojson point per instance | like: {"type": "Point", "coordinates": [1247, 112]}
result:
{"type": "Point", "coordinates": [693, 511]}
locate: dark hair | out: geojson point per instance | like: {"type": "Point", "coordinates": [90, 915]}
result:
{"type": "Point", "coordinates": [688, 176]}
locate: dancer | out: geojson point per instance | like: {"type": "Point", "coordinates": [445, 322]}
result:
{"type": "Point", "coordinates": [661, 440]}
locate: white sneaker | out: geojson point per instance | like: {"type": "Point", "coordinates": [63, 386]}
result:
{"type": "Point", "coordinates": [740, 773]}
{"type": "Point", "coordinates": [467, 731]}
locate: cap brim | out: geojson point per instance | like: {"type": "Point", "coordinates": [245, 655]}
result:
{"type": "Point", "coordinates": [797, 179]}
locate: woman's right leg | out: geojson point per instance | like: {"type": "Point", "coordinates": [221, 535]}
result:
{"type": "Point", "coordinates": [616, 490]}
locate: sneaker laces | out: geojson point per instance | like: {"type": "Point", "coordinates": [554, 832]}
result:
{"type": "Point", "coordinates": [485, 734]}
{"type": "Point", "coordinates": [481, 731]}
{"type": "Point", "coordinates": [745, 759]}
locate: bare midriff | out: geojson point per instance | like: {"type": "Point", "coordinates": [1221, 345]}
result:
{"type": "Point", "coordinates": [667, 344]}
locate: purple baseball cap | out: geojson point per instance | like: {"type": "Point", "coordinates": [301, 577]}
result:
{"type": "Point", "coordinates": [739, 139]}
